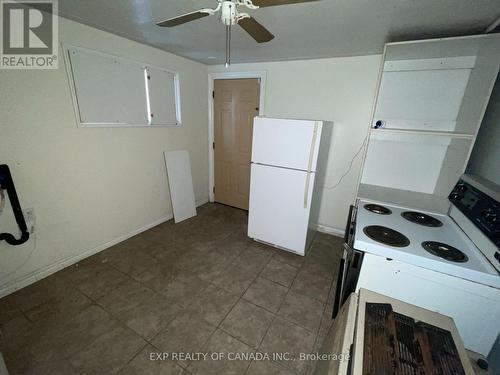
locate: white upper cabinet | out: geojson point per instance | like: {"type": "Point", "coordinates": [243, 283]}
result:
{"type": "Point", "coordinates": [421, 99]}
{"type": "Point", "coordinates": [431, 99]}
{"type": "Point", "coordinates": [438, 85]}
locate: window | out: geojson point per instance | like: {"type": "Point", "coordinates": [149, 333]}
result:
{"type": "Point", "coordinates": [114, 91]}
{"type": "Point", "coordinates": [161, 92]}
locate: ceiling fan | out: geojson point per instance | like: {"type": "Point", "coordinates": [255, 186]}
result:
{"type": "Point", "coordinates": [230, 16]}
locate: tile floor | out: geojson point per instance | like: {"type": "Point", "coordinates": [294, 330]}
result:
{"type": "Point", "coordinates": [197, 286]}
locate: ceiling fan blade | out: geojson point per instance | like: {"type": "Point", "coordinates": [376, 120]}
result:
{"type": "Point", "coordinates": [271, 3]}
{"type": "Point", "coordinates": [182, 19]}
{"type": "Point", "coordinates": [256, 30]}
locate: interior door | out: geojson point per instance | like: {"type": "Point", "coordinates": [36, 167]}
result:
{"type": "Point", "coordinates": [236, 103]}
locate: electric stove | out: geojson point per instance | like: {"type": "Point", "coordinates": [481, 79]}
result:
{"type": "Point", "coordinates": [412, 242]}
{"type": "Point", "coordinates": [448, 263]}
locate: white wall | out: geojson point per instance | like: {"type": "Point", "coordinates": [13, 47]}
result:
{"type": "Point", "coordinates": [90, 186]}
{"type": "Point", "coordinates": [485, 158]}
{"type": "Point", "coordinates": [339, 90]}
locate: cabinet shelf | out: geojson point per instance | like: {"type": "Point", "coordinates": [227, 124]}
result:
{"type": "Point", "coordinates": [424, 132]}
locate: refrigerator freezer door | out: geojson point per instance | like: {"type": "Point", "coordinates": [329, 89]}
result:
{"type": "Point", "coordinates": [277, 213]}
{"type": "Point", "coordinates": [286, 143]}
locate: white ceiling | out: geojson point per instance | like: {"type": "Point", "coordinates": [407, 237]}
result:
{"type": "Point", "coordinates": [327, 28]}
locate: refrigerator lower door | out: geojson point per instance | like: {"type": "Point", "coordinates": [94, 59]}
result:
{"type": "Point", "coordinates": [286, 143]}
{"type": "Point", "coordinates": [280, 201]}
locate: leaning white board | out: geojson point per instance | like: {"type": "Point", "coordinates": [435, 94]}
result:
{"type": "Point", "coordinates": [181, 184]}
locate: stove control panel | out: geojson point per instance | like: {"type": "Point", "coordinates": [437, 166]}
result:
{"type": "Point", "coordinates": [478, 207]}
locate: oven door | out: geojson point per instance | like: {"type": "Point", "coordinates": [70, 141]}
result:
{"type": "Point", "coordinates": [350, 265]}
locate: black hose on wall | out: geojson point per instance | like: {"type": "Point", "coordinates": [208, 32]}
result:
{"type": "Point", "coordinates": [7, 183]}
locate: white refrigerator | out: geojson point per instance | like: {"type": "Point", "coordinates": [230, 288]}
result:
{"type": "Point", "coordinates": [287, 172]}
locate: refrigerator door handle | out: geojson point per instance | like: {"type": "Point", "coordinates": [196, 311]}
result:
{"type": "Point", "coordinates": [309, 164]}
{"type": "Point", "coordinates": [306, 190]}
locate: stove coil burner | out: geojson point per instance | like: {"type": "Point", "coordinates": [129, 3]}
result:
{"type": "Point", "coordinates": [445, 251]}
{"type": "Point", "coordinates": [386, 236]}
{"type": "Point", "coordinates": [422, 219]}
{"type": "Point", "coordinates": [377, 209]}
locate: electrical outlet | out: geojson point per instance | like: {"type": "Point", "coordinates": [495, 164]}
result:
{"type": "Point", "coordinates": [30, 219]}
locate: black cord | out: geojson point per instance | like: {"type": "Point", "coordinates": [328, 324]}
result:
{"type": "Point", "coordinates": [7, 183]}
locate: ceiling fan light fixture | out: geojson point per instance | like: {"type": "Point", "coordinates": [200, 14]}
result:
{"type": "Point", "coordinates": [230, 16]}
{"type": "Point", "coordinates": [229, 13]}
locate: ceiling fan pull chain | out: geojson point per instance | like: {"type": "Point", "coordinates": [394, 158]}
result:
{"type": "Point", "coordinates": [227, 39]}
{"type": "Point", "coordinates": [228, 45]}
{"type": "Point", "coordinates": [229, 48]}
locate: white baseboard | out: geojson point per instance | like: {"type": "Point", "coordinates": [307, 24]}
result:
{"type": "Point", "coordinates": [42, 273]}
{"type": "Point", "coordinates": [329, 230]}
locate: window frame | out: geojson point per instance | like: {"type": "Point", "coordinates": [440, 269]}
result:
{"type": "Point", "coordinates": [147, 121]}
